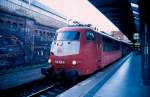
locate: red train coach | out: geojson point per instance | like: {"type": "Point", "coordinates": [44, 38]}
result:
{"type": "Point", "coordinates": [78, 51]}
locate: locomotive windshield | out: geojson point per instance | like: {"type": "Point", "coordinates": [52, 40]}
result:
{"type": "Point", "coordinates": [61, 46]}
{"type": "Point", "coordinates": [68, 35]}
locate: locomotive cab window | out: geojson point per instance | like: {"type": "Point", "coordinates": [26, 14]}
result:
{"type": "Point", "coordinates": [68, 36]}
{"type": "Point", "coordinates": [90, 36]}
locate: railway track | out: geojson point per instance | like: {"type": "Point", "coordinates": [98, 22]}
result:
{"type": "Point", "coordinates": [38, 89]}
{"type": "Point", "coordinates": [50, 91]}
{"type": "Point", "coordinates": [54, 89]}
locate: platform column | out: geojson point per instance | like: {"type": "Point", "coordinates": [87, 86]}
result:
{"type": "Point", "coordinates": [145, 39]}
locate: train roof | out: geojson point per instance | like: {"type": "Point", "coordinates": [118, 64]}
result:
{"type": "Point", "coordinates": [73, 27]}
{"type": "Point", "coordinates": [90, 28]}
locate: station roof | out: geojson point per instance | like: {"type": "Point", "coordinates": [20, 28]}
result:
{"type": "Point", "coordinates": [123, 13]}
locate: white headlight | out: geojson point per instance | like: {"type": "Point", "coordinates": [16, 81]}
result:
{"type": "Point", "coordinates": [49, 60]}
{"type": "Point", "coordinates": [74, 62]}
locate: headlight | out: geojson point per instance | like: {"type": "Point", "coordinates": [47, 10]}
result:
{"type": "Point", "coordinates": [74, 62]}
{"type": "Point", "coordinates": [49, 60]}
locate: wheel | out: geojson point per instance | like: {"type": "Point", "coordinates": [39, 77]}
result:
{"type": "Point", "coordinates": [72, 76]}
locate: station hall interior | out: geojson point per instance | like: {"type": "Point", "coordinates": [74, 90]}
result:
{"type": "Point", "coordinates": [74, 48]}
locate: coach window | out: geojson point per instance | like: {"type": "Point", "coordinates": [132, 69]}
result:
{"type": "Point", "coordinates": [116, 45]}
{"type": "Point", "coordinates": [90, 36]}
{"type": "Point", "coordinates": [107, 44]}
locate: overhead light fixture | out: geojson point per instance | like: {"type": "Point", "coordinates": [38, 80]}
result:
{"type": "Point", "coordinates": [136, 18]}
{"type": "Point", "coordinates": [135, 12]}
{"type": "Point", "coordinates": [134, 5]}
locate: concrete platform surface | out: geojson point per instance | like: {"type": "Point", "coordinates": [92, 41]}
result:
{"type": "Point", "coordinates": [121, 79]}
{"type": "Point", "coordinates": [14, 79]}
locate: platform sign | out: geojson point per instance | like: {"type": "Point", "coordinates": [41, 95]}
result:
{"type": "Point", "coordinates": [136, 36]}
{"type": "Point", "coordinates": [137, 43]}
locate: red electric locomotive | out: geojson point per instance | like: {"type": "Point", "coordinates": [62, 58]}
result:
{"type": "Point", "coordinates": [78, 51]}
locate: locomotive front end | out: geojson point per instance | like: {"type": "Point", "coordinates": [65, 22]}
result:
{"type": "Point", "coordinates": [65, 53]}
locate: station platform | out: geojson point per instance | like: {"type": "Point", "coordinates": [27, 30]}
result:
{"type": "Point", "coordinates": [121, 79]}
{"type": "Point", "coordinates": [14, 79]}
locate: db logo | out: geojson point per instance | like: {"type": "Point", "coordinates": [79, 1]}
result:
{"type": "Point", "coordinates": [59, 50]}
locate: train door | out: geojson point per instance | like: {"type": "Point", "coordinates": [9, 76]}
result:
{"type": "Point", "coordinates": [99, 50]}
{"type": "Point", "coordinates": [91, 49]}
